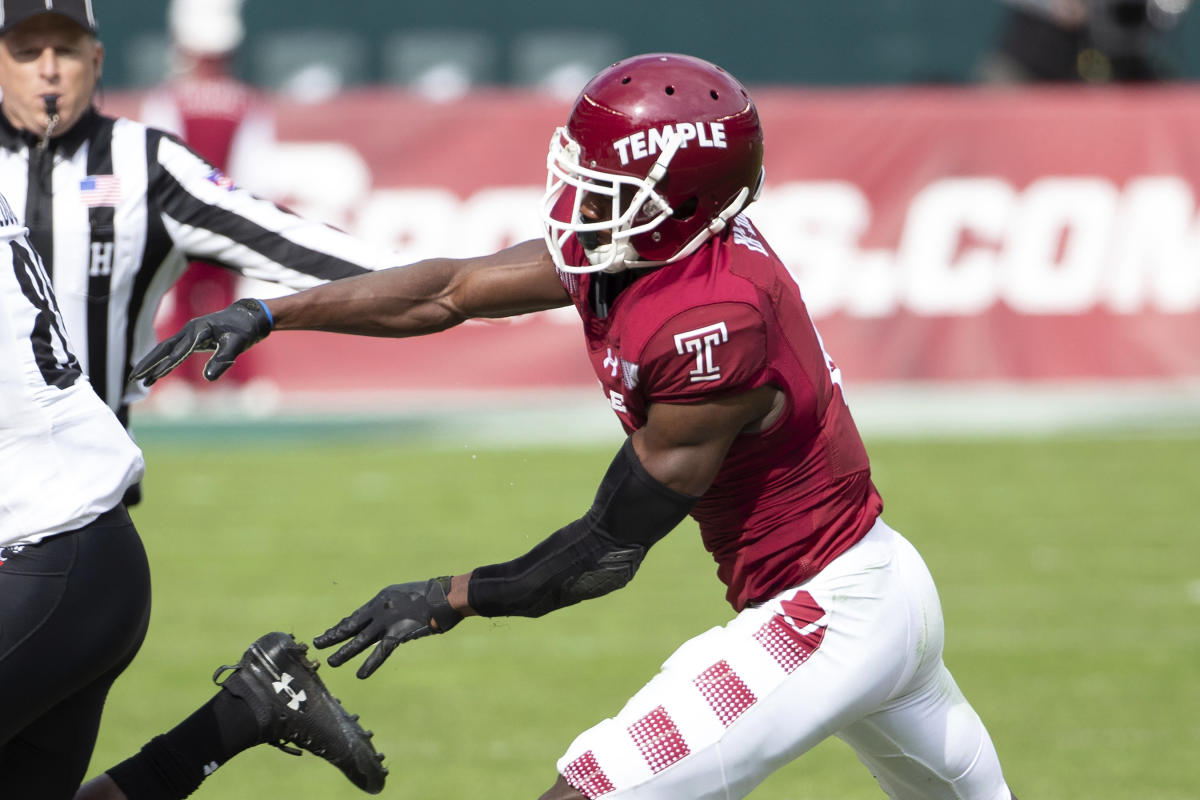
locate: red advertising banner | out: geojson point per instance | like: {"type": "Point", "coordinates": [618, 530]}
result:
{"type": "Point", "coordinates": [937, 234]}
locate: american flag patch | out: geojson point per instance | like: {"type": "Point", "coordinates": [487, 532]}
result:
{"type": "Point", "coordinates": [100, 190]}
{"type": "Point", "coordinates": [220, 179]}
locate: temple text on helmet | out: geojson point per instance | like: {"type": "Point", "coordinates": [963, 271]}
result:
{"type": "Point", "coordinates": [644, 144]}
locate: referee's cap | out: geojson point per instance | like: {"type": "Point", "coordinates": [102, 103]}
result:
{"type": "Point", "coordinates": [14, 12]}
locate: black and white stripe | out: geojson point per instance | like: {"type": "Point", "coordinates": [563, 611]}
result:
{"type": "Point", "coordinates": [47, 338]}
{"type": "Point", "coordinates": [111, 262]}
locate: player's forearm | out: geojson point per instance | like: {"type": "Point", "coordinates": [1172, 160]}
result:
{"type": "Point", "coordinates": [428, 296]}
{"type": "Point", "coordinates": [403, 301]}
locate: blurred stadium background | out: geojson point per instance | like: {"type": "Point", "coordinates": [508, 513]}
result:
{"type": "Point", "coordinates": [1008, 274]}
{"type": "Point", "coordinates": [864, 42]}
{"type": "Point", "coordinates": [978, 254]}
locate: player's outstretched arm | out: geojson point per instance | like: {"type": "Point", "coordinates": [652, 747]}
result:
{"type": "Point", "coordinates": [649, 487]}
{"type": "Point", "coordinates": [428, 296]}
{"type": "Point", "coordinates": [414, 300]}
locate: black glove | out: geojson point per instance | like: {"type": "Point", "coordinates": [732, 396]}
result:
{"type": "Point", "coordinates": [229, 332]}
{"type": "Point", "coordinates": [399, 613]}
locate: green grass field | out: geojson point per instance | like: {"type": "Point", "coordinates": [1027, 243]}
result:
{"type": "Point", "coordinates": [1069, 569]}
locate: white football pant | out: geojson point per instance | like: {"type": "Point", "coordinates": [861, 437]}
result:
{"type": "Point", "coordinates": [856, 653]}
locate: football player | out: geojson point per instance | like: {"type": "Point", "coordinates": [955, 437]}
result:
{"type": "Point", "coordinates": [735, 415]}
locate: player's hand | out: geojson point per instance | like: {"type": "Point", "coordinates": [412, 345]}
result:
{"type": "Point", "coordinates": [399, 613]}
{"type": "Point", "coordinates": [228, 332]}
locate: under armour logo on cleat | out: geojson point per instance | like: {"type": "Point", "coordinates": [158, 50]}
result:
{"type": "Point", "coordinates": [284, 685]}
{"type": "Point", "coordinates": [210, 768]}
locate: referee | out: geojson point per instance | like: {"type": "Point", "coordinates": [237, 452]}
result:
{"type": "Point", "coordinates": [117, 210]}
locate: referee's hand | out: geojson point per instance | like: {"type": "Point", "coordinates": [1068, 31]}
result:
{"type": "Point", "coordinates": [228, 333]}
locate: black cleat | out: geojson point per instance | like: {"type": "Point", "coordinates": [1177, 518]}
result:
{"type": "Point", "coordinates": [295, 710]}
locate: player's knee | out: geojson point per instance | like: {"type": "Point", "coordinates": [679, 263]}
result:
{"type": "Point", "coordinates": [561, 790]}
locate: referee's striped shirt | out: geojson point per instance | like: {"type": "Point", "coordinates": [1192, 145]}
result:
{"type": "Point", "coordinates": [117, 210]}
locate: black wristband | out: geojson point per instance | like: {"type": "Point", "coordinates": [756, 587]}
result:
{"type": "Point", "coordinates": [593, 555]}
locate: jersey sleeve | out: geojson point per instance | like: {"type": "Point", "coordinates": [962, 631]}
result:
{"type": "Point", "coordinates": [706, 351]}
{"type": "Point", "coordinates": [210, 218]}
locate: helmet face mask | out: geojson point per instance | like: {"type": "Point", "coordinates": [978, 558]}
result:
{"type": "Point", "coordinates": [633, 206]}
{"type": "Point", "coordinates": [668, 147]}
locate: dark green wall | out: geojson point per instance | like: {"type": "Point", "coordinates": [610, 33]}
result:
{"type": "Point", "coordinates": [845, 42]}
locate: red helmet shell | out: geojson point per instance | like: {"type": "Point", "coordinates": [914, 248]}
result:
{"type": "Point", "coordinates": [625, 113]}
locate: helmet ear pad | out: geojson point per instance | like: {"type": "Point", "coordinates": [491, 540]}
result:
{"type": "Point", "coordinates": [687, 209]}
{"type": "Point", "coordinates": [694, 212]}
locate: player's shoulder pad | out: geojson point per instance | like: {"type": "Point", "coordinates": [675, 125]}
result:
{"type": "Point", "coordinates": [704, 350]}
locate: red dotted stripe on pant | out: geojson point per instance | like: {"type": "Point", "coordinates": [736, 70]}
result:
{"type": "Point", "coordinates": [782, 636]}
{"type": "Point", "coordinates": [658, 740]}
{"type": "Point", "coordinates": [585, 775]}
{"type": "Point", "coordinates": [727, 694]}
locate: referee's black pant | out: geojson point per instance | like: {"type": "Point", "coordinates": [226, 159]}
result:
{"type": "Point", "coordinates": [73, 613]}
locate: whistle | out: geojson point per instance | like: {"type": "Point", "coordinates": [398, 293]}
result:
{"type": "Point", "coordinates": [51, 101]}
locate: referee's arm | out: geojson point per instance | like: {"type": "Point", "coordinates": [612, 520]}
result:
{"type": "Point", "coordinates": [210, 219]}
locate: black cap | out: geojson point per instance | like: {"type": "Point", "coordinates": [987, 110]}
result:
{"type": "Point", "coordinates": [14, 12]}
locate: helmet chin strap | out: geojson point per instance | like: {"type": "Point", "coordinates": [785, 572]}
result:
{"type": "Point", "coordinates": [718, 224]}
{"type": "Point", "coordinates": [627, 257]}
{"type": "Point", "coordinates": [722, 221]}
{"type": "Point", "coordinates": [743, 198]}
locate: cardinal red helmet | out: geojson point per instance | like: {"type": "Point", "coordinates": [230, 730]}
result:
{"type": "Point", "coordinates": [672, 141]}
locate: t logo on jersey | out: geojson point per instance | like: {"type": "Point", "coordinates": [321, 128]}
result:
{"type": "Point", "coordinates": [701, 341]}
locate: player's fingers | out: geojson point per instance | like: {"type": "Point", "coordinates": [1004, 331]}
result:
{"type": "Point", "coordinates": [386, 645]}
{"type": "Point", "coordinates": [178, 347]}
{"type": "Point", "coordinates": [164, 357]}
{"type": "Point", "coordinates": [146, 366]}
{"type": "Point", "coordinates": [341, 632]}
{"type": "Point", "coordinates": [350, 649]}
{"type": "Point", "coordinates": [215, 367]}
{"type": "Point", "coordinates": [229, 347]}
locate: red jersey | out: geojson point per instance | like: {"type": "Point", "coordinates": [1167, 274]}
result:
{"type": "Point", "coordinates": [211, 110]}
{"type": "Point", "coordinates": [725, 320]}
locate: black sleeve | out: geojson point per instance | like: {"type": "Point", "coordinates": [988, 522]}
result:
{"type": "Point", "coordinates": [590, 557]}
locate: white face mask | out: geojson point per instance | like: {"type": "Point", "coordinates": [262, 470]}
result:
{"type": "Point", "coordinates": [566, 174]}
